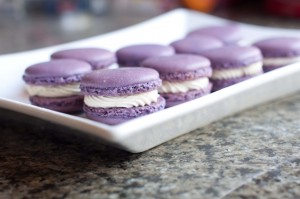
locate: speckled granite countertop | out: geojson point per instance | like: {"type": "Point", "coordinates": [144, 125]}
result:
{"type": "Point", "coordinates": [254, 154]}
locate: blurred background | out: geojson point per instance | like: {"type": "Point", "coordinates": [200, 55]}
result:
{"type": "Point", "coordinates": [30, 24]}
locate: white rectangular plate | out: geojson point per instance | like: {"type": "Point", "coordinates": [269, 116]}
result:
{"type": "Point", "coordinates": [149, 131]}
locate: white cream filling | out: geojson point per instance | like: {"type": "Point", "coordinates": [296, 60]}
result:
{"type": "Point", "coordinates": [53, 91]}
{"type": "Point", "coordinates": [252, 69]}
{"type": "Point", "coordinates": [183, 86]}
{"type": "Point", "coordinates": [141, 99]}
{"type": "Point", "coordinates": [280, 61]}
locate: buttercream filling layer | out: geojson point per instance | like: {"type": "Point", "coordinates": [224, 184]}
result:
{"type": "Point", "coordinates": [183, 86]}
{"type": "Point", "coordinates": [53, 91]}
{"type": "Point", "coordinates": [252, 69]}
{"type": "Point", "coordinates": [141, 99]}
{"type": "Point", "coordinates": [280, 61]}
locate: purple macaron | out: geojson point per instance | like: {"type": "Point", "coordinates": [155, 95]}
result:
{"type": "Point", "coordinates": [113, 96]}
{"type": "Point", "coordinates": [279, 51]}
{"type": "Point", "coordinates": [55, 84]}
{"type": "Point", "coordinates": [185, 77]}
{"type": "Point", "coordinates": [98, 58]}
{"type": "Point", "coordinates": [134, 55]}
{"type": "Point", "coordinates": [233, 64]}
{"type": "Point", "coordinates": [229, 34]}
{"type": "Point", "coordinates": [196, 45]}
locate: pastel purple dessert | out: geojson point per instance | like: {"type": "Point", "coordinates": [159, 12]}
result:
{"type": "Point", "coordinates": [279, 51]}
{"type": "Point", "coordinates": [229, 34]}
{"type": "Point", "coordinates": [185, 77]}
{"type": "Point", "coordinates": [55, 84]}
{"type": "Point", "coordinates": [113, 96]}
{"type": "Point", "coordinates": [196, 45]}
{"type": "Point", "coordinates": [233, 64]}
{"type": "Point", "coordinates": [98, 58]}
{"type": "Point", "coordinates": [134, 55]}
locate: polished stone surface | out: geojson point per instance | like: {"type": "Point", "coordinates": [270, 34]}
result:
{"type": "Point", "coordinates": [253, 154]}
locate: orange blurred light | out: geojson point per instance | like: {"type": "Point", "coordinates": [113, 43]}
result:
{"type": "Point", "coordinates": [201, 5]}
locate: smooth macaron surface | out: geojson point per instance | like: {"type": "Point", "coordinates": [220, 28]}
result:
{"type": "Point", "coordinates": [56, 72]}
{"type": "Point", "coordinates": [180, 66]}
{"type": "Point", "coordinates": [279, 47]}
{"type": "Point", "coordinates": [196, 44]}
{"type": "Point", "coordinates": [227, 33]}
{"type": "Point", "coordinates": [133, 55]}
{"type": "Point", "coordinates": [121, 81]}
{"type": "Point", "coordinates": [98, 58]}
{"type": "Point", "coordinates": [233, 56]}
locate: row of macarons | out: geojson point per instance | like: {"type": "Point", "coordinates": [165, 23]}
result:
{"type": "Point", "coordinates": [165, 78]}
{"type": "Point", "coordinates": [276, 51]}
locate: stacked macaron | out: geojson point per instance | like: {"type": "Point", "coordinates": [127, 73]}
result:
{"type": "Point", "coordinates": [185, 77]}
{"type": "Point", "coordinates": [279, 51]}
{"type": "Point", "coordinates": [113, 96]}
{"type": "Point", "coordinates": [55, 84]}
{"type": "Point", "coordinates": [233, 64]}
{"type": "Point", "coordinates": [98, 58]}
{"type": "Point", "coordinates": [134, 55]}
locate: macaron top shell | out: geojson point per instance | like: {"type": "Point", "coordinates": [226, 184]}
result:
{"type": "Point", "coordinates": [97, 57]}
{"type": "Point", "coordinates": [120, 81]}
{"type": "Point", "coordinates": [233, 56]}
{"type": "Point", "coordinates": [196, 44]}
{"type": "Point", "coordinates": [279, 47]}
{"type": "Point", "coordinates": [180, 66]}
{"type": "Point", "coordinates": [228, 33]}
{"type": "Point", "coordinates": [56, 72]}
{"type": "Point", "coordinates": [135, 54]}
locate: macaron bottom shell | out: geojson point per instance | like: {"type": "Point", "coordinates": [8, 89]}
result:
{"type": "Point", "coordinates": [173, 99]}
{"type": "Point", "coordinates": [268, 68]}
{"type": "Point", "coordinates": [219, 84]}
{"type": "Point", "coordinates": [70, 104]}
{"type": "Point", "coordinates": [117, 115]}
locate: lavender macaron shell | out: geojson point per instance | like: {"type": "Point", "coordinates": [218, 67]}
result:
{"type": "Point", "coordinates": [68, 104]}
{"type": "Point", "coordinates": [233, 56]}
{"type": "Point", "coordinates": [173, 99]}
{"type": "Point", "coordinates": [196, 45]}
{"type": "Point", "coordinates": [180, 67]}
{"type": "Point", "coordinates": [56, 72]}
{"type": "Point", "coordinates": [268, 68]}
{"type": "Point", "coordinates": [227, 33]}
{"type": "Point", "coordinates": [120, 82]}
{"type": "Point", "coordinates": [98, 58]}
{"type": "Point", "coordinates": [135, 54]}
{"type": "Point", "coordinates": [116, 115]}
{"type": "Point", "coordinates": [220, 84]}
{"type": "Point", "coordinates": [279, 47]}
